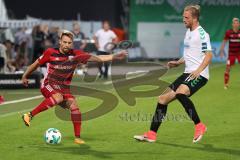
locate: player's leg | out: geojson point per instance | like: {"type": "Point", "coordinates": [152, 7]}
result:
{"type": "Point", "coordinates": [106, 66]}
{"type": "Point", "coordinates": [100, 64]}
{"type": "Point", "coordinates": [164, 99]}
{"type": "Point", "coordinates": [230, 62]}
{"type": "Point", "coordinates": [182, 94]}
{"type": "Point", "coordinates": [76, 119]}
{"type": "Point", "coordinates": [160, 113]}
{"type": "Point", "coordinates": [52, 98]}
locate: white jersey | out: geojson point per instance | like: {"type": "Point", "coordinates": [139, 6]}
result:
{"type": "Point", "coordinates": [104, 37]}
{"type": "Point", "coordinates": [196, 43]}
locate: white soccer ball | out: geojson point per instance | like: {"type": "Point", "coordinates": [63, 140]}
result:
{"type": "Point", "coordinates": [53, 136]}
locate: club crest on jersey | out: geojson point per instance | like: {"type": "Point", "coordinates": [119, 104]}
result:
{"type": "Point", "coordinates": [70, 58]}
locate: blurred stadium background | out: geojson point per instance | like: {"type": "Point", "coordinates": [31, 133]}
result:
{"type": "Point", "coordinates": [155, 27]}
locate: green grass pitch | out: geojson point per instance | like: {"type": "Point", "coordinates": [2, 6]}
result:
{"type": "Point", "coordinates": [111, 136]}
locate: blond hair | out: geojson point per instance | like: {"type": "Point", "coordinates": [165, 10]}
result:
{"type": "Point", "coordinates": [235, 19]}
{"type": "Point", "coordinates": [194, 9]}
{"type": "Point", "coordinates": [66, 33]}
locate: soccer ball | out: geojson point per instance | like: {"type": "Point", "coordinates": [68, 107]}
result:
{"type": "Point", "coordinates": [52, 136]}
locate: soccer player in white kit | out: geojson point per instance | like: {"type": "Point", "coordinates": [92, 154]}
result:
{"type": "Point", "coordinates": [197, 56]}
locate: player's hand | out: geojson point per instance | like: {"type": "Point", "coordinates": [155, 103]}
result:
{"type": "Point", "coordinates": [25, 81]}
{"type": "Point", "coordinates": [194, 75]}
{"type": "Point", "coordinates": [120, 55]}
{"type": "Point", "coordinates": [172, 64]}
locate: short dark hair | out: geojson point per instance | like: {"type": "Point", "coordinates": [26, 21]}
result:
{"type": "Point", "coordinates": [194, 9]}
{"type": "Point", "coordinates": [106, 21]}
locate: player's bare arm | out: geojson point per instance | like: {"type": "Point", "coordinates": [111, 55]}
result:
{"type": "Point", "coordinates": [206, 61]}
{"type": "Point", "coordinates": [106, 58]}
{"type": "Point", "coordinates": [172, 64]}
{"type": "Point", "coordinates": [29, 70]}
{"type": "Point", "coordinates": [222, 48]}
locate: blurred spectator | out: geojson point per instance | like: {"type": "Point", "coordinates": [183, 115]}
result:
{"type": "Point", "coordinates": [6, 34]}
{"type": "Point", "coordinates": [10, 50]}
{"type": "Point", "coordinates": [20, 60]}
{"type": "Point", "coordinates": [10, 56]}
{"type": "Point", "coordinates": [53, 36]}
{"type": "Point", "coordinates": [14, 60]}
{"type": "Point", "coordinates": [22, 40]}
{"type": "Point", "coordinates": [3, 58]}
{"type": "Point", "coordinates": [21, 36]}
{"type": "Point", "coordinates": [38, 42]}
{"type": "Point", "coordinates": [102, 37]}
{"type": "Point", "coordinates": [29, 45]}
{"type": "Point", "coordinates": [79, 43]}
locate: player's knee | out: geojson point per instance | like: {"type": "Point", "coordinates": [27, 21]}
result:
{"type": "Point", "coordinates": [162, 100]}
{"type": "Point", "coordinates": [226, 73]}
{"type": "Point", "coordinates": [72, 105]}
{"type": "Point", "coordinates": [58, 98]}
{"type": "Point", "coordinates": [184, 92]}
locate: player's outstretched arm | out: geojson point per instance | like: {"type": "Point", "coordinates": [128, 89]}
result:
{"type": "Point", "coordinates": [29, 70]}
{"type": "Point", "coordinates": [105, 58]}
{"type": "Point", "coordinates": [172, 64]}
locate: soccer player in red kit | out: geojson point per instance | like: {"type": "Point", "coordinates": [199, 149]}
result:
{"type": "Point", "coordinates": [61, 63]}
{"type": "Point", "coordinates": [233, 36]}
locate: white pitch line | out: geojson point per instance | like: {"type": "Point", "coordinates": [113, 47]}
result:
{"type": "Point", "coordinates": [21, 100]}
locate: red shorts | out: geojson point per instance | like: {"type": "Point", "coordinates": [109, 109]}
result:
{"type": "Point", "coordinates": [232, 58]}
{"type": "Point", "coordinates": [48, 91]}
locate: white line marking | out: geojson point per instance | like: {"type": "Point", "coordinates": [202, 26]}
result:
{"type": "Point", "coordinates": [21, 100]}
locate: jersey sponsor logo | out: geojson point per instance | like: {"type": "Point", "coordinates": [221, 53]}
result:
{"type": "Point", "coordinates": [204, 46]}
{"type": "Point", "coordinates": [62, 67]}
{"type": "Point", "coordinates": [195, 81]}
{"type": "Point", "coordinates": [56, 87]}
{"type": "Point", "coordinates": [49, 88]}
{"type": "Point", "coordinates": [70, 58]}
{"type": "Point", "coordinates": [234, 40]}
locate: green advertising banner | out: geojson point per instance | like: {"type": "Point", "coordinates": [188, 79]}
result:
{"type": "Point", "coordinates": [216, 15]}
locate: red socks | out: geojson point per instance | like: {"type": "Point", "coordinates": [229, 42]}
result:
{"type": "Point", "coordinates": [47, 103]}
{"type": "Point", "coordinates": [226, 78]}
{"type": "Point", "coordinates": [76, 120]}
{"type": "Point", "coordinates": [226, 75]}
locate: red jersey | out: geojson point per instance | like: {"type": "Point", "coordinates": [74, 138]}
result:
{"type": "Point", "coordinates": [234, 41]}
{"type": "Point", "coordinates": [61, 66]}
